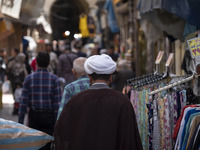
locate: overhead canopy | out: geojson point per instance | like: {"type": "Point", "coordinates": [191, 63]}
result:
{"type": "Point", "coordinates": [167, 22]}
{"type": "Point", "coordinates": [185, 9]}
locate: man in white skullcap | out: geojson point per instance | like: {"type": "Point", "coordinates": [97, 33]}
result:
{"type": "Point", "coordinates": [98, 118]}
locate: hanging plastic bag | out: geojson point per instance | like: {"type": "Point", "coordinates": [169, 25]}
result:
{"type": "Point", "coordinates": [6, 87]}
{"type": "Point", "coordinates": [17, 94]}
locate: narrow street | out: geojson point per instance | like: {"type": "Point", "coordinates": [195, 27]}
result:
{"type": "Point", "coordinates": [100, 74]}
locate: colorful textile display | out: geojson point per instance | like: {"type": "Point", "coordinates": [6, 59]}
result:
{"type": "Point", "coordinates": [157, 115]}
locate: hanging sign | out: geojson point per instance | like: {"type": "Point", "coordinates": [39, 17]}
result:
{"type": "Point", "coordinates": [159, 57]}
{"type": "Point", "coordinates": [6, 28]}
{"type": "Point", "coordinates": [194, 47]}
{"type": "Point", "coordinates": [169, 60]}
{"type": "Point", "coordinates": [11, 8]}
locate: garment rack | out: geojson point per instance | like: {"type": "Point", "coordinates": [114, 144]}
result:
{"type": "Point", "coordinates": [172, 85]}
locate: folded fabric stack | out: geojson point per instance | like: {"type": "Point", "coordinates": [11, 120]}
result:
{"type": "Point", "coordinates": [15, 136]}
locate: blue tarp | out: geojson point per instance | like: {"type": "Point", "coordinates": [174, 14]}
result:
{"type": "Point", "coordinates": [185, 9]}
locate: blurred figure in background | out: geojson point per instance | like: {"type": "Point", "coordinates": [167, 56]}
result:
{"type": "Point", "coordinates": [112, 54]}
{"type": "Point", "coordinates": [53, 58]}
{"type": "Point", "coordinates": [25, 44]}
{"type": "Point", "coordinates": [11, 61]}
{"type": "Point", "coordinates": [10, 76]}
{"type": "Point", "coordinates": [55, 48]}
{"type": "Point", "coordinates": [2, 65]}
{"type": "Point", "coordinates": [103, 51]}
{"type": "Point", "coordinates": [33, 64]}
{"type": "Point", "coordinates": [19, 73]}
{"type": "Point", "coordinates": [19, 69]}
{"type": "Point", "coordinates": [16, 74]}
{"type": "Point", "coordinates": [78, 49]}
{"type": "Point", "coordinates": [65, 64]}
{"type": "Point", "coordinates": [121, 75]}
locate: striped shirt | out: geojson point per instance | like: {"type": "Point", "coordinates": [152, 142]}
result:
{"type": "Point", "coordinates": [41, 90]}
{"type": "Point", "coordinates": [73, 88]}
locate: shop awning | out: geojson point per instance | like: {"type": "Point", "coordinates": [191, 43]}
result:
{"type": "Point", "coordinates": [185, 9]}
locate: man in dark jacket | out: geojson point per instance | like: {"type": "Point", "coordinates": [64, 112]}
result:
{"type": "Point", "coordinates": [98, 118]}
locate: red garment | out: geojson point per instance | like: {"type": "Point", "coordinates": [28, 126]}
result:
{"type": "Point", "coordinates": [178, 123]}
{"type": "Point", "coordinates": [33, 64]}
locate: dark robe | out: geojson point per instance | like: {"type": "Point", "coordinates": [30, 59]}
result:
{"type": "Point", "coordinates": [97, 119]}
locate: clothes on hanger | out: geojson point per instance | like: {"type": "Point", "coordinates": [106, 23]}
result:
{"type": "Point", "coordinates": [143, 106]}
{"type": "Point", "coordinates": [194, 142]}
{"type": "Point", "coordinates": [190, 118]}
{"type": "Point", "coordinates": [159, 115]}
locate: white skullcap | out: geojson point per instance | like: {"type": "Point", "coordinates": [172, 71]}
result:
{"type": "Point", "coordinates": [100, 64]}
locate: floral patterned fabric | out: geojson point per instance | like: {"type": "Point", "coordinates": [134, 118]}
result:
{"type": "Point", "coordinates": [157, 115]}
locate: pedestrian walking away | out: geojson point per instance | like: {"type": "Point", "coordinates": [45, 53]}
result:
{"type": "Point", "coordinates": [65, 64]}
{"type": "Point", "coordinates": [41, 94]}
{"type": "Point", "coordinates": [82, 83]}
{"type": "Point", "coordinates": [98, 118]}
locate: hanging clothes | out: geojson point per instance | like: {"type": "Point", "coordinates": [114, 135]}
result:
{"type": "Point", "coordinates": [139, 100]}
{"type": "Point", "coordinates": [165, 119]}
{"type": "Point", "coordinates": [147, 115]}
{"type": "Point", "coordinates": [112, 22]}
{"type": "Point", "coordinates": [83, 26]}
{"type": "Point", "coordinates": [194, 142]}
{"type": "Point", "coordinates": [160, 117]}
{"type": "Point", "coordinates": [190, 118]}
{"type": "Point", "coordinates": [194, 125]}
{"type": "Point", "coordinates": [156, 128]}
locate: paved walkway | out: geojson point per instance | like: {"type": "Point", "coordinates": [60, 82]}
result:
{"type": "Point", "coordinates": [6, 111]}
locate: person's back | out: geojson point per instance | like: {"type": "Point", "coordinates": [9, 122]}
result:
{"type": "Point", "coordinates": [78, 50]}
{"type": "Point", "coordinates": [41, 94]}
{"type": "Point", "coordinates": [19, 70]}
{"type": "Point", "coordinates": [53, 59]}
{"type": "Point", "coordinates": [82, 83]}
{"type": "Point", "coordinates": [10, 63]}
{"type": "Point", "coordinates": [65, 64]}
{"type": "Point", "coordinates": [10, 76]}
{"type": "Point", "coordinates": [96, 124]}
{"type": "Point", "coordinates": [98, 118]}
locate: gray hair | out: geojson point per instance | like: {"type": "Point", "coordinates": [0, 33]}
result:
{"type": "Point", "coordinates": [78, 65]}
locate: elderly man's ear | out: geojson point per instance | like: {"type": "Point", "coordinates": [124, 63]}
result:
{"type": "Point", "coordinates": [74, 72]}
{"type": "Point", "coordinates": [110, 78]}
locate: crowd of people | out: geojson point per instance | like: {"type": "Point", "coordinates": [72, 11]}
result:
{"type": "Point", "coordinates": [78, 92]}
